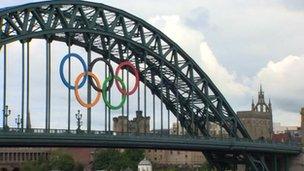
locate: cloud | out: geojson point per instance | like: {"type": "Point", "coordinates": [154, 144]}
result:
{"type": "Point", "coordinates": [189, 39]}
{"type": "Point", "coordinates": [284, 81]}
{"type": "Point", "coordinates": [281, 80]}
{"type": "Point", "coordinates": [230, 42]}
{"type": "Point", "coordinates": [297, 5]}
{"type": "Point", "coordinates": [192, 41]}
{"type": "Point", "coordinates": [224, 79]}
{"type": "Point", "coordinates": [198, 18]}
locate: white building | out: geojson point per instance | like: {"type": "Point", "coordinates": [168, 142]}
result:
{"type": "Point", "coordinates": [145, 165]}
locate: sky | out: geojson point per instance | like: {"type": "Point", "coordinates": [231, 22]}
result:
{"type": "Point", "coordinates": [239, 44]}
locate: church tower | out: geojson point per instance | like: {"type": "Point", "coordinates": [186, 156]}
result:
{"type": "Point", "coordinates": [261, 105]}
{"type": "Point", "coordinates": [258, 120]}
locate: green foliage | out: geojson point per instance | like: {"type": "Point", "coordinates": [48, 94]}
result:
{"type": "Point", "coordinates": [78, 167]}
{"type": "Point", "coordinates": [57, 161]}
{"type": "Point", "coordinates": [112, 159]}
{"type": "Point", "coordinates": [107, 159]}
{"type": "Point", "coordinates": [61, 161]}
{"type": "Point", "coordinates": [39, 165]}
{"type": "Point", "coordinates": [132, 157]}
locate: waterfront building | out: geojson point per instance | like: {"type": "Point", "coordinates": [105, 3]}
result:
{"type": "Point", "coordinates": [258, 121]}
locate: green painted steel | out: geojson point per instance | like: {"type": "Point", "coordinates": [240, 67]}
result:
{"type": "Point", "coordinates": [195, 101]}
{"type": "Point", "coordinates": [76, 138]}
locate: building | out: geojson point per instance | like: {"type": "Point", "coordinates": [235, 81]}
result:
{"type": "Point", "coordinates": [302, 125]}
{"type": "Point", "coordinates": [302, 118]}
{"type": "Point", "coordinates": [289, 133]}
{"type": "Point", "coordinates": [164, 158]}
{"type": "Point", "coordinates": [145, 165]}
{"type": "Point", "coordinates": [11, 159]}
{"type": "Point", "coordinates": [82, 156]}
{"type": "Point", "coordinates": [258, 121]}
{"type": "Point", "coordinates": [278, 128]}
{"type": "Point", "coordinates": [159, 158]}
{"type": "Point", "coordinates": [139, 124]}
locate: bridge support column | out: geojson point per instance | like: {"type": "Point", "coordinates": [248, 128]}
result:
{"type": "Point", "coordinates": [4, 84]}
{"type": "Point", "coordinates": [286, 163]}
{"type": "Point", "coordinates": [275, 163]}
{"type": "Point", "coordinates": [89, 111]}
{"type": "Point", "coordinates": [48, 87]}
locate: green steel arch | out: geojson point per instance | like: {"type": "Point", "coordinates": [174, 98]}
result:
{"type": "Point", "coordinates": [171, 73]}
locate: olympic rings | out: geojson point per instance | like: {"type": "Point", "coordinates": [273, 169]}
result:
{"type": "Point", "coordinates": [61, 70]}
{"type": "Point", "coordinates": [82, 103]}
{"type": "Point", "coordinates": [111, 74]}
{"type": "Point", "coordinates": [104, 95]}
{"type": "Point", "coordinates": [96, 84]}
{"type": "Point", "coordinates": [134, 71]}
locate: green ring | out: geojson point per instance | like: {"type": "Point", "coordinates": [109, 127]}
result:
{"type": "Point", "coordinates": [105, 96]}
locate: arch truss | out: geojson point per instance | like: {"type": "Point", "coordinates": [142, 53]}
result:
{"type": "Point", "coordinates": [169, 72]}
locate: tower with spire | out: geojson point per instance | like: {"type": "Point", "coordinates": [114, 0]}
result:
{"type": "Point", "coordinates": [261, 105]}
{"type": "Point", "coordinates": [258, 120]}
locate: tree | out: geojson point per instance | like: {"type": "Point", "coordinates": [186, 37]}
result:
{"type": "Point", "coordinates": [132, 157]}
{"type": "Point", "coordinates": [112, 159]}
{"type": "Point", "coordinates": [107, 159]}
{"type": "Point", "coordinates": [57, 161]}
{"type": "Point", "coordinates": [39, 165]}
{"type": "Point", "coordinates": [61, 161]}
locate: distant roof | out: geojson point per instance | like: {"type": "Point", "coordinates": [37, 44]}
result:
{"type": "Point", "coordinates": [145, 162]}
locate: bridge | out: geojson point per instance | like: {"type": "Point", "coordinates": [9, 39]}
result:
{"type": "Point", "coordinates": [162, 81]}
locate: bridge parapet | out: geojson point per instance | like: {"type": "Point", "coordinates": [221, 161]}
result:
{"type": "Point", "coordinates": [73, 138]}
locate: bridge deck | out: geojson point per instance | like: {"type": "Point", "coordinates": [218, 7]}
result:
{"type": "Point", "coordinates": [63, 138]}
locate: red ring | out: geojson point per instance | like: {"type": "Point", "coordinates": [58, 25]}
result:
{"type": "Point", "coordinates": [134, 71]}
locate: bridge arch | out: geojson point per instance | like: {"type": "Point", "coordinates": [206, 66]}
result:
{"type": "Point", "coordinates": [169, 72]}
{"type": "Point", "coordinates": [104, 29]}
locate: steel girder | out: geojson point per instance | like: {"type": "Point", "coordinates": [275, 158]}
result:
{"type": "Point", "coordinates": [171, 73]}
{"type": "Point", "coordinates": [72, 138]}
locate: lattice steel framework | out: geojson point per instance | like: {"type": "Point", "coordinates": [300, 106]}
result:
{"type": "Point", "coordinates": [185, 89]}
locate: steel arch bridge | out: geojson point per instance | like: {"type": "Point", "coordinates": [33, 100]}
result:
{"type": "Point", "coordinates": [164, 68]}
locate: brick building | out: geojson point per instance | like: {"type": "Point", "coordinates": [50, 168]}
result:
{"type": "Point", "coordinates": [11, 159]}
{"type": "Point", "coordinates": [141, 124]}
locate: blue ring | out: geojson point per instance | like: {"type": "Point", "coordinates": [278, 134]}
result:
{"type": "Point", "coordinates": [61, 70]}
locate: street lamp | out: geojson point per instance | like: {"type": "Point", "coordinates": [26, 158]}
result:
{"type": "Point", "coordinates": [6, 113]}
{"type": "Point", "coordinates": [18, 121]}
{"type": "Point", "coordinates": [79, 122]}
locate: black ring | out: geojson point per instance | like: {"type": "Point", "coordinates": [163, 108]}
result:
{"type": "Point", "coordinates": [91, 82]}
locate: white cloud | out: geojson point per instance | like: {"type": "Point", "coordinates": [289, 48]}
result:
{"type": "Point", "coordinates": [192, 41]}
{"type": "Point", "coordinates": [284, 81]}
{"type": "Point", "coordinates": [189, 39]}
{"type": "Point", "coordinates": [223, 78]}
{"type": "Point", "coordinates": [251, 32]}
{"type": "Point", "coordinates": [281, 80]}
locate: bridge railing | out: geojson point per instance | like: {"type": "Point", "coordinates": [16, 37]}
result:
{"type": "Point", "coordinates": [66, 132]}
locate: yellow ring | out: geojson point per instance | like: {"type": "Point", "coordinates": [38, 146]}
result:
{"type": "Point", "coordinates": [82, 103]}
